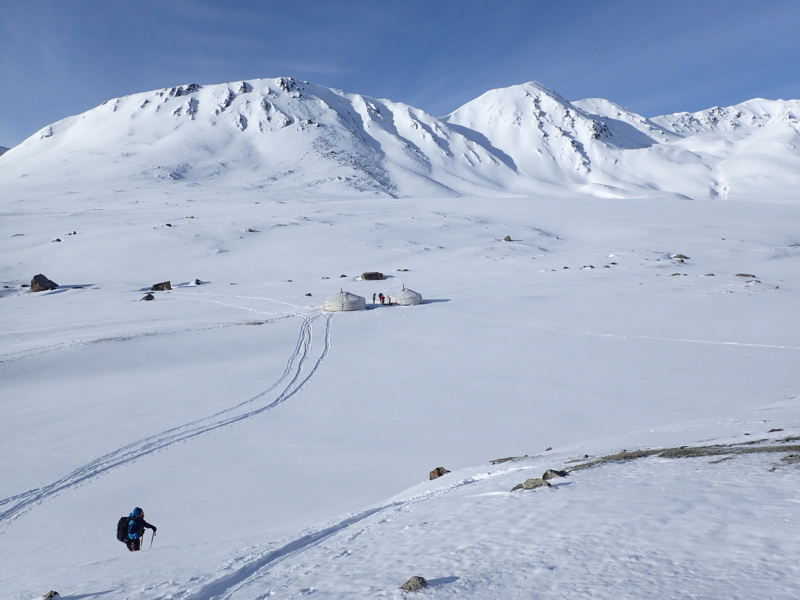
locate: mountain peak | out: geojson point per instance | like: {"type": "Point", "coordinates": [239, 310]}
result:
{"type": "Point", "coordinates": [285, 133]}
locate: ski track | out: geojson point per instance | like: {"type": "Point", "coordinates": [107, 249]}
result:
{"type": "Point", "coordinates": [291, 381]}
{"type": "Point", "coordinates": [209, 298]}
{"type": "Point", "coordinates": [39, 350]}
{"type": "Point", "coordinates": [618, 336]}
{"type": "Point", "coordinates": [257, 564]}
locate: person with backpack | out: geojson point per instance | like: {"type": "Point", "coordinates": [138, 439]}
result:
{"type": "Point", "coordinates": [136, 526]}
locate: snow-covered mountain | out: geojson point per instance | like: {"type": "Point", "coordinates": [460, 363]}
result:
{"type": "Point", "coordinates": [646, 346]}
{"type": "Point", "coordinates": [284, 134]}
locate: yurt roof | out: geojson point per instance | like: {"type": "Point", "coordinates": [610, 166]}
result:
{"type": "Point", "coordinates": [406, 296]}
{"type": "Point", "coordinates": [345, 301]}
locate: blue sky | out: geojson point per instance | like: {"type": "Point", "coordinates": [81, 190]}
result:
{"type": "Point", "coordinates": [62, 57]}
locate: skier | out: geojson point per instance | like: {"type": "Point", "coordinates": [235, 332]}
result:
{"type": "Point", "coordinates": [136, 529]}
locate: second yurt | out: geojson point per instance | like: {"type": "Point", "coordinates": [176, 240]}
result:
{"type": "Point", "coordinates": [344, 301]}
{"type": "Point", "coordinates": [405, 297]}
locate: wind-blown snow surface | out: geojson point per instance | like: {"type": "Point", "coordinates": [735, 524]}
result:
{"type": "Point", "coordinates": [284, 452]}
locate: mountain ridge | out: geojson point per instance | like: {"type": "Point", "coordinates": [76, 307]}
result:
{"type": "Point", "coordinates": [288, 134]}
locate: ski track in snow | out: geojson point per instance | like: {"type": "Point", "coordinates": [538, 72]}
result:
{"type": "Point", "coordinates": [618, 336]}
{"type": "Point", "coordinates": [291, 381]}
{"type": "Point", "coordinates": [258, 563]}
{"type": "Point", "coordinates": [274, 317]}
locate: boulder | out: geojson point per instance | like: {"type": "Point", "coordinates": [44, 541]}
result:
{"type": "Point", "coordinates": [553, 473]}
{"type": "Point", "coordinates": [438, 472]}
{"type": "Point", "coordinates": [51, 594]}
{"type": "Point", "coordinates": [415, 584]}
{"type": "Point", "coordinates": [148, 296]}
{"type": "Point", "coordinates": [40, 283]}
{"type": "Point", "coordinates": [372, 276]}
{"type": "Point", "coordinates": [161, 287]}
{"type": "Point", "coordinates": [531, 484]}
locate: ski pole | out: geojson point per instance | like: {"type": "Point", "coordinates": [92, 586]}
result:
{"type": "Point", "coordinates": [151, 539]}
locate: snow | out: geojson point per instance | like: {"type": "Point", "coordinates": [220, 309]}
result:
{"type": "Point", "coordinates": [284, 452]}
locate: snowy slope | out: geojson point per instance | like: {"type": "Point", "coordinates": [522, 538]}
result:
{"type": "Point", "coordinates": [283, 452]}
{"type": "Point", "coordinates": [746, 145]}
{"type": "Point", "coordinates": [287, 135]}
{"type": "Point", "coordinates": [278, 133]}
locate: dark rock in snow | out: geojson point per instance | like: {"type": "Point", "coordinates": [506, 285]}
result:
{"type": "Point", "coordinates": [148, 296]}
{"type": "Point", "coordinates": [160, 287]}
{"type": "Point", "coordinates": [553, 473]}
{"type": "Point", "coordinates": [438, 472]}
{"type": "Point", "coordinates": [372, 276]}
{"type": "Point", "coordinates": [40, 283]}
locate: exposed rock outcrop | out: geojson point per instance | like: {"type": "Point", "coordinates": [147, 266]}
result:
{"type": "Point", "coordinates": [40, 283]}
{"type": "Point", "coordinates": [438, 472]}
{"type": "Point", "coordinates": [415, 584]}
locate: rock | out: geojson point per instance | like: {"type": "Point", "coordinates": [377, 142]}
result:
{"type": "Point", "coordinates": [531, 484]}
{"type": "Point", "coordinates": [372, 276]}
{"type": "Point", "coordinates": [40, 283]}
{"type": "Point", "coordinates": [160, 287]}
{"type": "Point", "coordinates": [415, 584]}
{"type": "Point", "coordinates": [148, 296]}
{"type": "Point", "coordinates": [746, 275]}
{"type": "Point", "coordinates": [553, 473]}
{"type": "Point", "coordinates": [680, 257]}
{"type": "Point", "coordinates": [507, 238]}
{"type": "Point", "coordinates": [438, 472]}
{"type": "Point", "coordinates": [51, 594]}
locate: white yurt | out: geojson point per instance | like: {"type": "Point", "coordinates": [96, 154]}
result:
{"type": "Point", "coordinates": [405, 297]}
{"type": "Point", "coordinates": [344, 301]}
